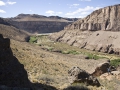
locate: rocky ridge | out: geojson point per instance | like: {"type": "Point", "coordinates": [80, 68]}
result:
{"type": "Point", "coordinates": [95, 32]}
{"type": "Point", "coordinates": [103, 19]}
{"type": "Point", "coordinates": [34, 23]}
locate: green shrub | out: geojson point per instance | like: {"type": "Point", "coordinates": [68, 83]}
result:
{"type": "Point", "coordinates": [115, 62]}
{"type": "Point", "coordinates": [92, 56]}
{"type": "Point", "coordinates": [33, 39]}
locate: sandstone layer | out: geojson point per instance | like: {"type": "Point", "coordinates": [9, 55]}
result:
{"type": "Point", "coordinates": [107, 18]}
{"type": "Point", "coordinates": [95, 32]}
{"type": "Point", "coordinates": [40, 24]}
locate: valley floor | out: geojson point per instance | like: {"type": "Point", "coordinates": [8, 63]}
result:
{"type": "Point", "coordinates": [48, 67]}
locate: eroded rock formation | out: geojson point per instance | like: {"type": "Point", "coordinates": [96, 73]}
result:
{"type": "Point", "coordinates": [103, 19]}
{"type": "Point", "coordinates": [78, 75]}
{"type": "Point", "coordinates": [95, 32]}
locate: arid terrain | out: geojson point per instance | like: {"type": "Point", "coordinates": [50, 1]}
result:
{"type": "Point", "coordinates": [42, 62]}
{"type": "Point", "coordinates": [34, 23]}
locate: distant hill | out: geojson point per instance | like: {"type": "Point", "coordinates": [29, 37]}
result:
{"type": "Point", "coordinates": [9, 31]}
{"type": "Point", "coordinates": [34, 23]}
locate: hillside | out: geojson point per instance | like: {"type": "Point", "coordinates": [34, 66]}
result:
{"type": "Point", "coordinates": [95, 32]}
{"type": "Point", "coordinates": [9, 31]}
{"type": "Point", "coordinates": [34, 23]}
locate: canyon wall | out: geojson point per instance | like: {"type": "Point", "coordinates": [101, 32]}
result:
{"type": "Point", "coordinates": [34, 23]}
{"type": "Point", "coordinates": [99, 31]}
{"type": "Point", "coordinates": [107, 18]}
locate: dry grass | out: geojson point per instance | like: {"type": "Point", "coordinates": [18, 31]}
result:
{"type": "Point", "coordinates": [51, 67]}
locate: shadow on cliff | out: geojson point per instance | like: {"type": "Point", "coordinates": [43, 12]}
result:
{"type": "Point", "coordinates": [39, 86]}
{"type": "Point", "coordinates": [12, 72]}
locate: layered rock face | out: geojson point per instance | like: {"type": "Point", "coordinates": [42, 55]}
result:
{"type": "Point", "coordinates": [9, 31]}
{"type": "Point", "coordinates": [12, 73]}
{"type": "Point", "coordinates": [95, 32]}
{"type": "Point", "coordinates": [40, 24]}
{"type": "Point", "coordinates": [107, 18]}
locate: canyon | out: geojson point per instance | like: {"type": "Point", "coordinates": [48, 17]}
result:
{"type": "Point", "coordinates": [99, 31]}
{"type": "Point", "coordinates": [34, 23]}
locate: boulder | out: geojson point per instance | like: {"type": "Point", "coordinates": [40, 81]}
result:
{"type": "Point", "coordinates": [81, 76]}
{"type": "Point", "coordinates": [101, 68]}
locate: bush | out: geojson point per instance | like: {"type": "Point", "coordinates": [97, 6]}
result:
{"type": "Point", "coordinates": [33, 39]}
{"type": "Point", "coordinates": [92, 56]}
{"type": "Point", "coordinates": [115, 62]}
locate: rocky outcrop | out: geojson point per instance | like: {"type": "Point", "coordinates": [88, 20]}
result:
{"type": "Point", "coordinates": [12, 73]}
{"type": "Point", "coordinates": [103, 19]}
{"type": "Point", "coordinates": [40, 24]}
{"type": "Point", "coordinates": [97, 36]}
{"type": "Point", "coordinates": [78, 75]}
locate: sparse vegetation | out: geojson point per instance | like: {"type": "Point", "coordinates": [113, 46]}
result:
{"type": "Point", "coordinates": [33, 39]}
{"type": "Point", "coordinates": [93, 56]}
{"type": "Point", "coordinates": [115, 62]}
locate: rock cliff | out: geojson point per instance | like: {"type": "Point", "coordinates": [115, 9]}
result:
{"type": "Point", "coordinates": [95, 32]}
{"type": "Point", "coordinates": [12, 73]}
{"type": "Point", "coordinates": [107, 18]}
{"type": "Point", "coordinates": [40, 24]}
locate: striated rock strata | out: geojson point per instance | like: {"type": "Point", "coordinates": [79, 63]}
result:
{"type": "Point", "coordinates": [34, 23]}
{"type": "Point", "coordinates": [95, 32]}
{"type": "Point", "coordinates": [107, 18]}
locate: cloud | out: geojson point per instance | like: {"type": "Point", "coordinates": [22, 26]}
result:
{"type": "Point", "coordinates": [50, 12]}
{"type": "Point", "coordinates": [73, 5]}
{"type": "Point", "coordinates": [82, 12]}
{"type": "Point", "coordinates": [11, 3]}
{"type": "Point", "coordinates": [85, 0]}
{"type": "Point", "coordinates": [2, 11]}
{"type": "Point", "coordinates": [2, 3]}
{"type": "Point", "coordinates": [31, 11]}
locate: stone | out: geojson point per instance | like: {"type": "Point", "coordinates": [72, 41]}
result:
{"type": "Point", "coordinates": [75, 74]}
{"type": "Point", "coordinates": [101, 68]}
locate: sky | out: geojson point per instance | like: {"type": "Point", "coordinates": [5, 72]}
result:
{"type": "Point", "coordinates": [62, 8]}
